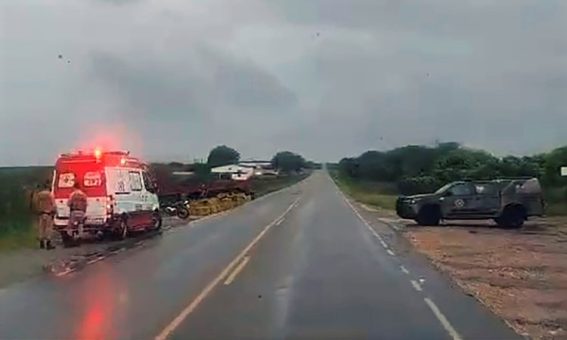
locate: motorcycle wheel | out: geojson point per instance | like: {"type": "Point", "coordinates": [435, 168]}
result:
{"type": "Point", "coordinates": [183, 213]}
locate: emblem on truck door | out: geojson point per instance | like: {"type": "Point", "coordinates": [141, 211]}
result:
{"type": "Point", "coordinates": [459, 203]}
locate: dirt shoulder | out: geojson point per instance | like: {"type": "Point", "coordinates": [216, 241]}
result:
{"type": "Point", "coordinates": [521, 275]}
{"type": "Point", "coordinates": [22, 264]}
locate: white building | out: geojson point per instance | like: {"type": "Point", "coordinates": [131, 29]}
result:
{"type": "Point", "coordinates": [236, 172]}
{"type": "Point", "coordinates": [260, 167]}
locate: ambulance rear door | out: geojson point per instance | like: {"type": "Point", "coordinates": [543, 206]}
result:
{"type": "Point", "coordinates": [92, 182]}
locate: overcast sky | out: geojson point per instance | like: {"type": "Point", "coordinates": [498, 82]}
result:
{"type": "Point", "coordinates": [170, 79]}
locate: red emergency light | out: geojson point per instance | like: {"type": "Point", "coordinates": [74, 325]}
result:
{"type": "Point", "coordinates": [98, 153]}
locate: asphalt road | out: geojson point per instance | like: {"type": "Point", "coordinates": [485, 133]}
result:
{"type": "Point", "coordinates": [300, 263]}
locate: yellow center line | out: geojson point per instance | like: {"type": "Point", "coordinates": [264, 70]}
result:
{"type": "Point", "coordinates": [166, 332]}
{"type": "Point", "coordinates": [237, 270]}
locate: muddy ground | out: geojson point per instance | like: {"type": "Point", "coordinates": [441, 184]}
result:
{"type": "Point", "coordinates": [521, 275]}
{"type": "Point", "coordinates": [23, 264]}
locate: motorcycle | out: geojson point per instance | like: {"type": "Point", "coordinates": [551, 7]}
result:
{"type": "Point", "coordinates": [179, 209]}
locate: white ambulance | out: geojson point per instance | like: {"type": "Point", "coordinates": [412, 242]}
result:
{"type": "Point", "coordinates": [121, 196]}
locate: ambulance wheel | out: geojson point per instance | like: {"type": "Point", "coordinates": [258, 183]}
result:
{"type": "Point", "coordinates": [122, 229]}
{"type": "Point", "coordinates": [156, 221]}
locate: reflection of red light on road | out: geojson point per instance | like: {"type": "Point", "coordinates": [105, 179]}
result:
{"type": "Point", "coordinates": [93, 323]}
{"type": "Point", "coordinates": [100, 303]}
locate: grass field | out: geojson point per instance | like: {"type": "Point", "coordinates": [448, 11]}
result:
{"type": "Point", "coordinates": [556, 200]}
{"type": "Point", "coordinates": [556, 209]}
{"type": "Point", "coordinates": [16, 218]}
{"type": "Point", "coordinates": [381, 195]}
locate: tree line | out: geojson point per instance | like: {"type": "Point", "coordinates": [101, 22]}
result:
{"type": "Point", "coordinates": [283, 161]}
{"type": "Point", "coordinates": [419, 169]}
{"type": "Point", "coordinates": [19, 183]}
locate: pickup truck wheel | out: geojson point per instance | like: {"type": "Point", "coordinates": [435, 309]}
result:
{"type": "Point", "coordinates": [429, 216]}
{"type": "Point", "coordinates": [499, 221]}
{"type": "Point", "coordinates": [512, 217]}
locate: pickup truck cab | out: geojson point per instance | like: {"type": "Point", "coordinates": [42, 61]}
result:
{"type": "Point", "coordinates": [509, 202]}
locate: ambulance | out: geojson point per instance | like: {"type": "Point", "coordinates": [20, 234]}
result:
{"type": "Point", "coordinates": [121, 195]}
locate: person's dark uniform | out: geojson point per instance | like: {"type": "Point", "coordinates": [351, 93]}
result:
{"type": "Point", "coordinates": [77, 208]}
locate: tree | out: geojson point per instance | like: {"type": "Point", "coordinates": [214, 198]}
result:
{"type": "Point", "coordinates": [175, 165]}
{"type": "Point", "coordinates": [222, 155]}
{"type": "Point", "coordinates": [349, 167]}
{"type": "Point", "coordinates": [553, 163]}
{"type": "Point", "coordinates": [418, 168]}
{"type": "Point", "coordinates": [465, 163]}
{"type": "Point", "coordinates": [287, 161]}
{"type": "Point", "coordinates": [413, 160]}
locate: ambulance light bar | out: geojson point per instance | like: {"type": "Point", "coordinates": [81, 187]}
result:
{"type": "Point", "coordinates": [97, 153]}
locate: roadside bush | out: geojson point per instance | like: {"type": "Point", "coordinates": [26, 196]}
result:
{"type": "Point", "coordinates": [418, 185]}
{"type": "Point", "coordinates": [418, 169]}
{"type": "Point", "coordinates": [17, 185]}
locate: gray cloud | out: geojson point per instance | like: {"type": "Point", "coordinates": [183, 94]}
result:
{"type": "Point", "coordinates": [200, 97]}
{"type": "Point", "coordinates": [119, 2]}
{"type": "Point", "coordinates": [326, 78]}
{"type": "Point", "coordinates": [200, 83]}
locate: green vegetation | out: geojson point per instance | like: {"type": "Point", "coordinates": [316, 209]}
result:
{"type": "Point", "coordinates": [377, 194]}
{"type": "Point", "coordinates": [20, 235]}
{"type": "Point", "coordinates": [287, 161]}
{"type": "Point", "coordinates": [417, 169]}
{"type": "Point", "coordinates": [16, 220]}
{"type": "Point", "coordinates": [222, 155]}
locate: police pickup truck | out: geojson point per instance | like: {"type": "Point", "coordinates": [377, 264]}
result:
{"type": "Point", "coordinates": [509, 202]}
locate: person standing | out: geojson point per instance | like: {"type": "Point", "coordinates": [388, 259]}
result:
{"type": "Point", "coordinates": [45, 207]}
{"type": "Point", "coordinates": [77, 208]}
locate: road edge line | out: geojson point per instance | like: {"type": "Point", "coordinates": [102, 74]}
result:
{"type": "Point", "coordinates": [416, 285]}
{"type": "Point", "coordinates": [442, 319]}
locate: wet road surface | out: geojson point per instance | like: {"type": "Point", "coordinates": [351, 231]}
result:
{"type": "Point", "coordinates": [297, 264]}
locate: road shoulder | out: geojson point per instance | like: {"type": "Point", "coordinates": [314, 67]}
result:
{"type": "Point", "coordinates": [519, 275]}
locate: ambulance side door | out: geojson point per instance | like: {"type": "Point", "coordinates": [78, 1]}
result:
{"type": "Point", "coordinates": [151, 197]}
{"type": "Point", "coordinates": [118, 184]}
{"type": "Point", "coordinates": [137, 192]}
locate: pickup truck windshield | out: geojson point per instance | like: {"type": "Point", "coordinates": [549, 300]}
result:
{"type": "Point", "coordinates": [444, 188]}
